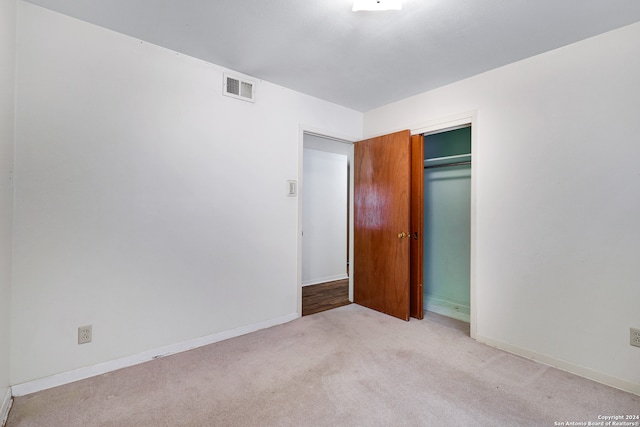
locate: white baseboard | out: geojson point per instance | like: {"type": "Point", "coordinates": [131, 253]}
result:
{"type": "Point", "coordinates": [564, 365]}
{"type": "Point", "coordinates": [113, 365]}
{"type": "Point", "coordinates": [5, 406]}
{"type": "Point", "coordinates": [325, 279]}
{"type": "Point", "coordinates": [447, 308]}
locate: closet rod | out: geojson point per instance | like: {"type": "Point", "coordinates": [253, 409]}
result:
{"type": "Point", "coordinates": [448, 164]}
{"type": "Point", "coordinates": [457, 156]}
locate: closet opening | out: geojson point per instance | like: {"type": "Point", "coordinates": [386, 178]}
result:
{"type": "Point", "coordinates": [447, 223]}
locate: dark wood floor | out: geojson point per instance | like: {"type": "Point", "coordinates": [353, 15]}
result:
{"type": "Point", "coordinates": [325, 296]}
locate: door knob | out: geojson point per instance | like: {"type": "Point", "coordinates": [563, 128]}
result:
{"type": "Point", "coordinates": [402, 235]}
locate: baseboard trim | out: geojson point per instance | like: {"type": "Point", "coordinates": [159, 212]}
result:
{"type": "Point", "coordinates": [564, 365]}
{"type": "Point", "coordinates": [326, 279]}
{"type": "Point", "coordinates": [447, 308]}
{"type": "Point", "coordinates": [124, 362]}
{"type": "Point", "coordinates": [7, 401]}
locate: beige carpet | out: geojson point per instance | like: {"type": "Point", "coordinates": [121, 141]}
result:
{"type": "Point", "coordinates": [346, 367]}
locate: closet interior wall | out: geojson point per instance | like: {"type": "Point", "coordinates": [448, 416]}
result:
{"type": "Point", "coordinates": [447, 223]}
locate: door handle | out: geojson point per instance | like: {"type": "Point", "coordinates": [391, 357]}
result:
{"type": "Point", "coordinates": [403, 235]}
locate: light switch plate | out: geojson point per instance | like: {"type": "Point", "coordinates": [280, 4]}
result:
{"type": "Point", "coordinates": [293, 188]}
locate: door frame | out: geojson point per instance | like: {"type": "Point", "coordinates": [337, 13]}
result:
{"type": "Point", "coordinates": [451, 123]}
{"type": "Point", "coordinates": [428, 126]}
{"type": "Point", "coordinates": [345, 139]}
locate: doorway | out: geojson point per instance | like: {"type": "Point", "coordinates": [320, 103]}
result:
{"type": "Point", "coordinates": [447, 223]}
{"type": "Point", "coordinates": [325, 197]}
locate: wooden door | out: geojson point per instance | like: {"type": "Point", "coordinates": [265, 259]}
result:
{"type": "Point", "coordinates": [417, 227]}
{"type": "Point", "coordinates": [382, 193]}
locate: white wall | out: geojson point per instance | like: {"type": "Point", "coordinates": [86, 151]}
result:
{"type": "Point", "coordinates": [146, 204]}
{"type": "Point", "coordinates": [324, 213]}
{"type": "Point", "coordinates": [558, 211]}
{"type": "Point", "coordinates": [8, 20]}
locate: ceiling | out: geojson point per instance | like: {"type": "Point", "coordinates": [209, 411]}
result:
{"type": "Point", "coordinates": [361, 60]}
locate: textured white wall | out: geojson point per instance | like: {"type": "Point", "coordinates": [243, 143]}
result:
{"type": "Point", "coordinates": [324, 213]}
{"type": "Point", "coordinates": [147, 204]}
{"type": "Point", "coordinates": [8, 18]}
{"type": "Point", "coordinates": [558, 211]}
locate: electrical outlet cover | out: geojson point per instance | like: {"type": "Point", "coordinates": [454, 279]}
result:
{"type": "Point", "coordinates": [635, 337]}
{"type": "Point", "coordinates": [84, 334]}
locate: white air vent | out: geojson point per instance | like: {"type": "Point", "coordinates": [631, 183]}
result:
{"type": "Point", "coordinates": [236, 87]}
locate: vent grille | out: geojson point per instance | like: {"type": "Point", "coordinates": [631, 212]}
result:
{"type": "Point", "coordinates": [236, 87]}
{"type": "Point", "coordinates": [246, 90]}
{"type": "Point", "coordinates": [233, 86]}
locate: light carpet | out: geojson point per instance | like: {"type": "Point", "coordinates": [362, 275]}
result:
{"type": "Point", "coordinates": [346, 367]}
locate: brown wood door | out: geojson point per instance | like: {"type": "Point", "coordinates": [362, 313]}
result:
{"type": "Point", "coordinates": [382, 193]}
{"type": "Point", "coordinates": [417, 226]}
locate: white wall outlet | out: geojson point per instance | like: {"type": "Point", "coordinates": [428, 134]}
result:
{"type": "Point", "coordinates": [84, 334]}
{"type": "Point", "coordinates": [635, 337]}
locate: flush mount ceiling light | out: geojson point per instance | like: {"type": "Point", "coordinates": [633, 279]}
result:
{"type": "Point", "coordinates": [376, 5]}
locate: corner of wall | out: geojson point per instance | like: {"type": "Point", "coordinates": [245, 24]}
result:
{"type": "Point", "coordinates": [5, 406]}
{"type": "Point", "coordinates": [8, 34]}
